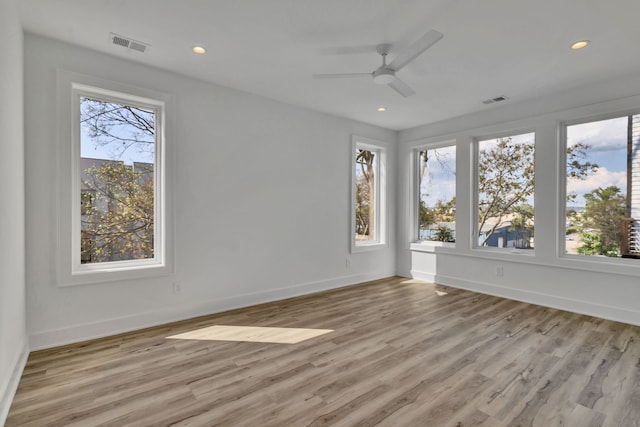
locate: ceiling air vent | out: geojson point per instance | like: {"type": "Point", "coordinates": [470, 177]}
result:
{"type": "Point", "coordinates": [128, 43]}
{"type": "Point", "coordinates": [496, 99]}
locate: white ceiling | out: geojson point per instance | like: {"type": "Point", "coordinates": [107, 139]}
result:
{"type": "Point", "coordinates": [271, 47]}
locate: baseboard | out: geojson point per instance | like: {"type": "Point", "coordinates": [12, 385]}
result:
{"type": "Point", "coordinates": [78, 333]}
{"type": "Point", "coordinates": [552, 301]}
{"type": "Point", "coordinates": [421, 275]}
{"type": "Point", "coordinates": [9, 389]}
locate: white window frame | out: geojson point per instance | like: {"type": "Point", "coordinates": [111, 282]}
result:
{"type": "Point", "coordinates": [415, 191]}
{"type": "Point", "coordinates": [475, 162]}
{"type": "Point", "coordinates": [381, 183]}
{"type": "Point", "coordinates": [71, 87]}
{"type": "Point", "coordinates": [562, 191]}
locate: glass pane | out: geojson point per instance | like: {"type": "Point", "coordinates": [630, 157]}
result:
{"type": "Point", "coordinates": [437, 194]}
{"type": "Point", "coordinates": [505, 192]}
{"type": "Point", "coordinates": [117, 181]}
{"type": "Point", "coordinates": [601, 212]}
{"type": "Point", "coordinates": [366, 193]}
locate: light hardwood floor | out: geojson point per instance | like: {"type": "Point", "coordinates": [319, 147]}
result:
{"type": "Point", "coordinates": [402, 353]}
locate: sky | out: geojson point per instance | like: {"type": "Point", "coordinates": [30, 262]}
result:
{"type": "Point", "coordinates": [607, 141]}
{"type": "Point", "coordinates": [101, 148]}
{"type": "Point", "coordinates": [439, 183]}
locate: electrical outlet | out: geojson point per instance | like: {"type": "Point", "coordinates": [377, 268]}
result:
{"type": "Point", "coordinates": [177, 287]}
{"type": "Point", "coordinates": [499, 271]}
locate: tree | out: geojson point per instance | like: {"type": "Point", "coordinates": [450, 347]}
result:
{"type": "Point", "coordinates": [427, 216]}
{"type": "Point", "coordinates": [121, 127]}
{"type": "Point", "coordinates": [118, 198]}
{"type": "Point", "coordinates": [577, 166]}
{"type": "Point", "coordinates": [505, 179]}
{"type": "Point", "coordinates": [522, 224]}
{"type": "Point", "coordinates": [590, 244]}
{"type": "Point", "coordinates": [445, 211]}
{"type": "Point", "coordinates": [365, 193]}
{"type": "Point", "coordinates": [444, 234]}
{"type": "Point", "coordinates": [117, 223]}
{"type": "Point", "coordinates": [604, 210]}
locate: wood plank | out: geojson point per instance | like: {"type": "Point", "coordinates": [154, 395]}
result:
{"type": "Point", "coordinates": [402, 353]}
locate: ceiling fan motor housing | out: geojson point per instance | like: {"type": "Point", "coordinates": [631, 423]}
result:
{"type": "Point", "coordinates": [384, 75]}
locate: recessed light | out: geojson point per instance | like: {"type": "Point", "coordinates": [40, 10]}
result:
{"type": "Point", "coordinates": [580, 44]}
{"type": "Point", "coordinates": [381, 109]}
{"type": "Point", "coordinates": [199, 49]}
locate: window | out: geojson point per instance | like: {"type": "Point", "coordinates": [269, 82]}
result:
{"type": "Point", "coordinates": [436, 194]}
{"type": "Point", "coordinates": [602, 208]}
{"type": "Point", "coordinates": [504, 192]}
{"type": "Point", "coordinates": [116, 174]}
{"type": "Point", "coordinates": [368, 195]}
{"type": "Point", "coordinates": [113, 187]}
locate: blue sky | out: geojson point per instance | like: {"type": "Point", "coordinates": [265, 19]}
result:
{"type": "Point", "coordinates": [91, 149]}
{"type": "Point", "coordinates": [439, 182]}
{"type": "Point", "coordinates": [607, 140]}
{"type": "Point", "coordinates": [101, 148]}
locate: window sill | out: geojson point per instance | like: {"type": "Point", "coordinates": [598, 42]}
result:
{"type": "Point", "coordinates": [430, 246]}
{"type": "Point", "coordinates": [88, 277]}
{"type": "Point", "coordinates": [367, 247]}
{"type": "Point", "coordinates": [506, 251]}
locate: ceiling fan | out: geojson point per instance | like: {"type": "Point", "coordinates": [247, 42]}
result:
{"type": "Point", "coordinates": [386, 73]}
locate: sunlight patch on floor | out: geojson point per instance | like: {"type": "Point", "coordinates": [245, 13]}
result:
{"type": "Point", "coordinates": [422, 282]}
{"type": "Point", "coordinates": [415, 281]}
{"type": "Point", "coordinates": [251, 334]}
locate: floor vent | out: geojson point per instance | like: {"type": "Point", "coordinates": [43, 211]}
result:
{"type": "Point", "coordinates": [128, 43]}
{"type": "Point", "coordinates": [496, 99]}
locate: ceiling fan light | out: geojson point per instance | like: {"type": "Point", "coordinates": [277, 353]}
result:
{"type": "Point", "coordinates": [383, 79]}
{"type": "Point", "coordinates": [580, 44]}
{"type": "Point", "coordinates": [383, 76]}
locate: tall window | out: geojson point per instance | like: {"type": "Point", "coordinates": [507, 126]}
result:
{"type": "Point", "coordinates": [116, 177]}
{"type": "Point", "coordinates": [603, 188]}
{"type": "Point", "coordinates": [436, 207]}
{"type": "Point", "coordinates": [505, 189]}
{"type": "Point", "coordinates": [368, 195]}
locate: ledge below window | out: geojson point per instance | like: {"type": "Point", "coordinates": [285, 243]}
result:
{"type": "Point", "coordinates": [366, 247]}
{"type": "Point", "coordinates": [430, 246]}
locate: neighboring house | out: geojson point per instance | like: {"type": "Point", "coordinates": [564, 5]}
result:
{"type": "Point", "coordinates": [630, 244]}
{"type": "Point", "coordinates": [509, 237]}
{"type": "Point", "coordinates": [505, 235]}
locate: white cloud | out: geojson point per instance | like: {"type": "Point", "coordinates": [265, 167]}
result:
{"type": "Point", "coordinates": [443, 190]}
{"type": "Point", "coordinates": [603, 135]}
{"type": "Point", "coordinates": [602, 178]}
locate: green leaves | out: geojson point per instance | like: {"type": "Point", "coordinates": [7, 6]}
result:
{"type": "Point", "coordinates": [365, 194]}
{"type": "Point", "coordinates": [603, 212]}
{"type": "Point", "coordinates": [120, 224]}
{"type": "Point", "coordinates": [505, 180]}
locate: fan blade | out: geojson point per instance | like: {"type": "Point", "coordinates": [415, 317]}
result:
{"type": "Point", "coordinates": [401, 87]}
{"type": "Point", "coordinates": [339, 76]}
{"type": "Point", "coordinates": [412, 51]}
{"type": "Point", "coordinates": [347, 50]}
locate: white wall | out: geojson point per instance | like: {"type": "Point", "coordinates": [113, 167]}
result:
{"type": "Point", "coordinates": [261, 203]}
{"type": "Point", "coordinates": [13, 349]}
{"type": "Point", "coordinates": [583, 285]}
